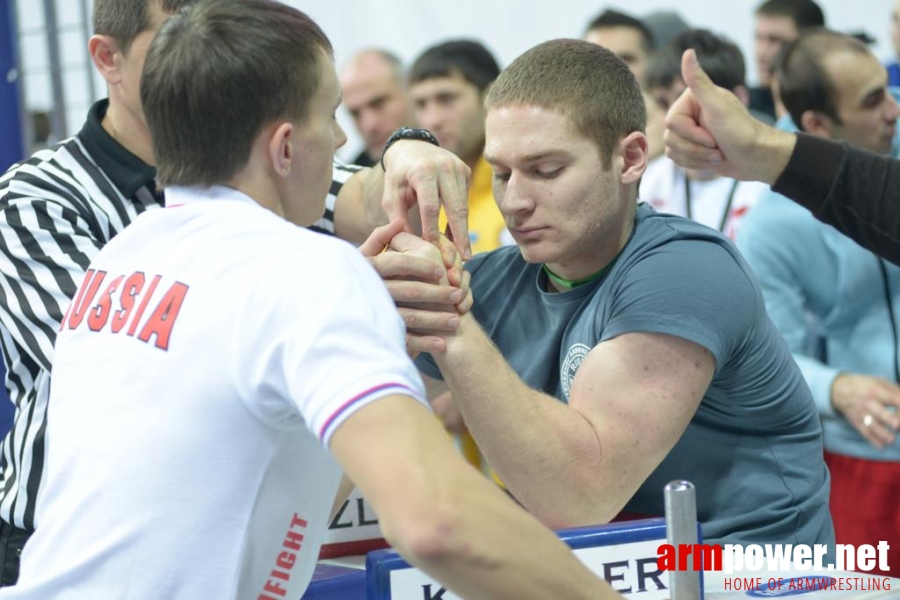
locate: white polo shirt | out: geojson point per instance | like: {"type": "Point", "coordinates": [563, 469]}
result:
{"type": "Point", "coordinates": [209, 355]}
{"type": "Point", "coordinates": [719, 203]}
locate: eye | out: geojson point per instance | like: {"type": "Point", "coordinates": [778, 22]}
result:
{"type": "Point", "coordinates": [501, 176]}
{"type": "Point", "coordinates": [548, 174]}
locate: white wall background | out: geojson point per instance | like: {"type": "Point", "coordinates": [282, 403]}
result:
{"type": "Point", "coordinates": [507, 27]}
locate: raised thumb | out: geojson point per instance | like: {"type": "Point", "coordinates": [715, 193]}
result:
{"type": "Point", "coordinates": [694, 75]}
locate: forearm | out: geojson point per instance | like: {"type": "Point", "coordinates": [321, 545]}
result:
{"type": "Point", "coordinates": [547, 453]}
{"type": "Point", "coordinates": [358, 209]}
{"type": "Point", "coordinates": [772, 155]}
{"type": "Point", "coordinates": [447, 519]}
{"type": "Point", "coordinates": [497, 550]}
{"type": "Point", "coordinates": [372, 190]}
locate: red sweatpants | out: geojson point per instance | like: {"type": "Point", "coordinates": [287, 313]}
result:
{"type": "Point", "coordinates": [865, 505]}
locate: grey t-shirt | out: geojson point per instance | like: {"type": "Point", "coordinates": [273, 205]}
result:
{"type": "Point", "coordinates": [754, 446]}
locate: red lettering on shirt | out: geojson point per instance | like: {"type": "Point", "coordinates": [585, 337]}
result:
{"type": "Point", "coordinates": [163, 318]}
{"type": "Point", "coordinates": [85, 296]}
{"type": "Point", "coordinates": [284, 563]}
{"type": "Point", "coordinates": [133, 286]}
{"type": "Point", "coordinates": [158, 326]}
{"type": "Point", "coordinates": [143, 305]}
{"type": "Point", "coordinates": [100, 313]}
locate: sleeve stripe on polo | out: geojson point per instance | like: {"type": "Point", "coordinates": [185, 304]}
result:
{"type": "Point", "coordinates": [379, 390]}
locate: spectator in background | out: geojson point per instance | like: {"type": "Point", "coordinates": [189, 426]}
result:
{"type": "Point", "coordinates": [852, 190]}
{"type": "Point", "coordinates": [627, 37]}
{"type": "Point", "coordinates": [777, 22]}
{"type": "Point", "coordinates": [665, 26]}
{"type": "Point", "coordinates": [448, 83]}
{"type": "Point", "coordinates": [632, 41]}
{"type": "Point", "coordinates": [820, 285]}
{"type": "Point", "coordinates": [894, 66]}
{"type": "Point", "coordinates": [701, 195]}
{"type": "Point", "coordinates": [375, 95]}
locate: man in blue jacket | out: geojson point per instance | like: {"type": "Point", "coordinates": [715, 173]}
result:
{"type": "Point", "coordinates": [819, 285]}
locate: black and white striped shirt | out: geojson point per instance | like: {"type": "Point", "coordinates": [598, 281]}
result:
{"type": "Point", "coordinates": [57, 209]}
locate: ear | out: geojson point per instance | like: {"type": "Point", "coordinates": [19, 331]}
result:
{"type": "Point", "coordinates": [635, 154]}
{"type": "Point", "coordinates": [743, 95]}
{"type": "Point", "coordinates": [816, 123]}
{"type": "Point", "coordinates": [106, 55]}
{"type": "Point", "coordinates": [281, 148]}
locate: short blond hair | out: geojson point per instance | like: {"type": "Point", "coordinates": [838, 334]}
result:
{"type": "Point", "coordinates": [584, 81]}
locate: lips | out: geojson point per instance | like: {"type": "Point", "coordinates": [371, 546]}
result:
{"type": "Point", "coordinates": [526, 233]}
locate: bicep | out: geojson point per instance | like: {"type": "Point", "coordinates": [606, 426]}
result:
{"type": "Point", "coordinates": [639, 391]}
{"type": "Point", "coordinates": [391, 449]}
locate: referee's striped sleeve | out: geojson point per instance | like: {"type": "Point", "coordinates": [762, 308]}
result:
{"type": "Point", "coordinates": [57, 209]}
{"type": "Point", "coordinates": [340, 173]}
{"type": "Point", "coordinates": [45, 248]}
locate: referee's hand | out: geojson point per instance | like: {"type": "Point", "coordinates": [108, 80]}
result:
{"type": "Point", "coordinates": [430, 177]}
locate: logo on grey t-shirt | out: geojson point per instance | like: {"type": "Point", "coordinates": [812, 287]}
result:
{"type": "Point", "coordinates": [572, 362]}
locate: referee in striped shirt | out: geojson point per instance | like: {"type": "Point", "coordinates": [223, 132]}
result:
{"type": "Point", "coordinates": [63, 204]}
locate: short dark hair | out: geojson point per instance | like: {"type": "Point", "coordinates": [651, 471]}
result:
{"type": "Point", "coordinates": [803, 82]}
{"type": "Point", "coordinates": [586, 82]}
{"type": "Point", "coordinates": [123, 20]}
{"type": "Point", "coordinates": [804, 13]}
{"type": "Point", "coordinates": [614, 18]}
{"type": "Point", "coordinates": [721, 58]}
{"type": "Point", "coordinates": [216, 74]}
{"type": "Point", "coordinates": [468, 58]}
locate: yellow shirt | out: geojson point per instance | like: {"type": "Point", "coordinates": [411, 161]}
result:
{"type": "Point", "coordinates": [486, 224]}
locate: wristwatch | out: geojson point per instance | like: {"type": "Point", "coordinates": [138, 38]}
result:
{"type": "Point", "coordinates": [408, 133]}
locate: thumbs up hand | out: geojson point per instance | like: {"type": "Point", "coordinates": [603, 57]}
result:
{"type": "Point", "coordinates": [709, 128]}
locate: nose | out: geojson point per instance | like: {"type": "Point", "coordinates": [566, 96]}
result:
{"type": "Point", "coordinates": [512, 196]}
{"type": "Point", "coordinates": [892, 109]}
{"type": "Point", "coordinates": [429, 116]}
{"type": "Point", "coordinates": [340, 138]}
{"type": "Point", "coordinates": [368, 123]}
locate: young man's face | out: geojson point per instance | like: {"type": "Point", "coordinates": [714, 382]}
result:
{"type": "Point", "coordinates": [314, 143]}
{"type": "Point", "coordinates": [867, 111]}
{"type": "Point", "coordinates": [560, 205]}
{"type": "Point", "coordinates": [376, 100]}
{"type": "Point", "coordinates": [771, 34]}
{"type": "Point", "coordinates": [453, 110]}
{"type": "Point", "coordinates": [626, 43]}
